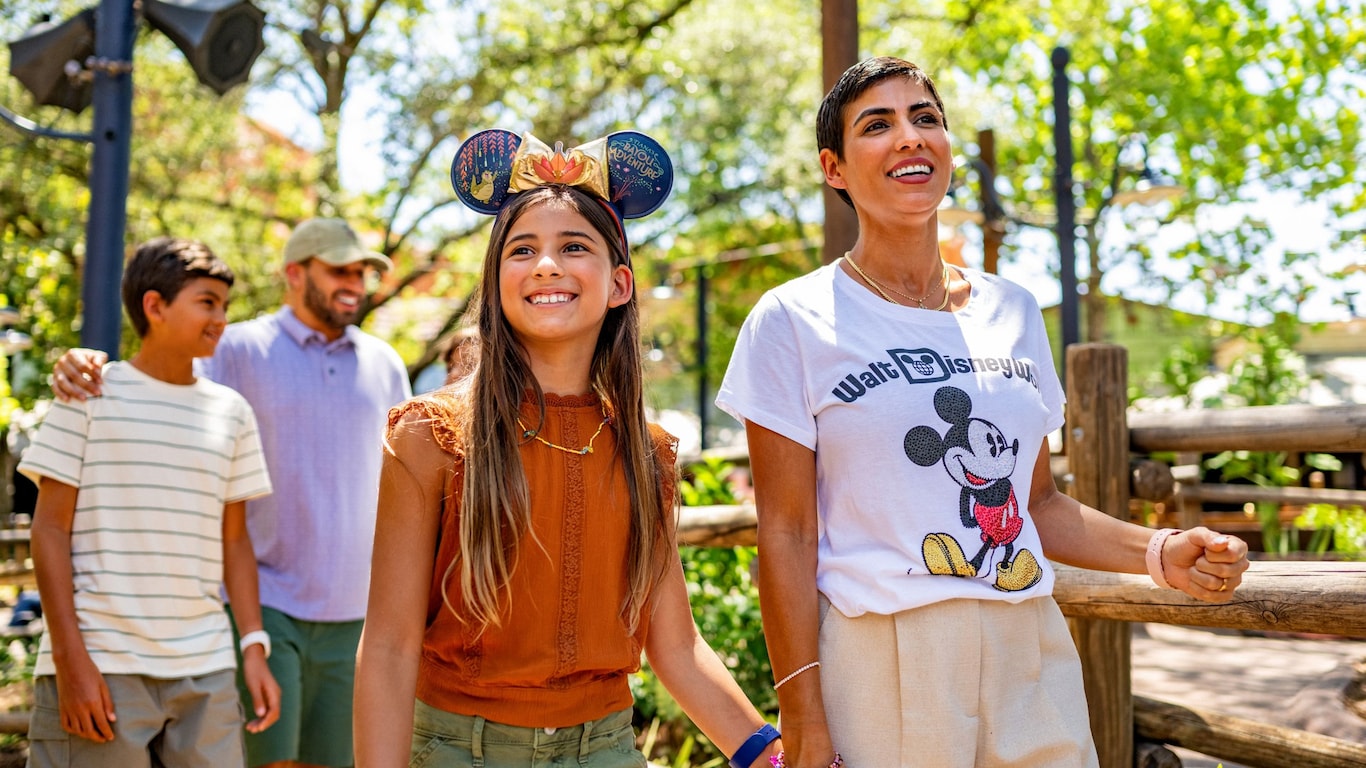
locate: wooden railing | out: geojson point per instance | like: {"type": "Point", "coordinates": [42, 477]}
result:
{"type": "Point", "coordinates": [1290, 596]}
{"type": "Point", "coordinates": [16, 568]}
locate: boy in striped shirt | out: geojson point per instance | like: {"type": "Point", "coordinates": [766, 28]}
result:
{"type": "Point", "coordinates": [140, 518]}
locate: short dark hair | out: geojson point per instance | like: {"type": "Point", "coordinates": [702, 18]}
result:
{"type": "Point", "coordinates": [851, 85]}
{"type": "Point", "coordinates": [165, 265]}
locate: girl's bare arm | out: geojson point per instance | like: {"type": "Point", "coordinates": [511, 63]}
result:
{"type": "Point", "coordinates": [410, 493]}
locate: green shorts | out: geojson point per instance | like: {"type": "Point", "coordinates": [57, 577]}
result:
{"type": "Point", "coordinates": [193, 722]}
{"type": "Point", "coordinates": [445, 740]}
{"type": "Point", "coordinates": [315, 664]}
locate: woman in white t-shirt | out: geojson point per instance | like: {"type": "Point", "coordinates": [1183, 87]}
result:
{"type": "Point", "coordinates": [897, 410]}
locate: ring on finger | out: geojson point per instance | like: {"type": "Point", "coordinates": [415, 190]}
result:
{"type": "Point", "coordinates": [1223, 585]}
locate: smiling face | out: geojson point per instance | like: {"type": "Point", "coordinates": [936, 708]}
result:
{"type": "Point", "coordinates": [192, 322]}
{"type": "Point", "coordinates": [557, 279]}
{"type": "Point", "coordinates": [896, 162]}
{"type": "Point", "coordinates": [324, 297]}
{"type": "Point", "coordinates": [987, 457]}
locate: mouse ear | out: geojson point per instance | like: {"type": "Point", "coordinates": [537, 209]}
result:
{"type": "Point", "coordinates": [640, 174]}
{"type": "Point", "coordinates": [482, 169]}
{"type": "Point", "coordinates": [953, 405]}
{"type": "Point", "coordinates": [923, 445]}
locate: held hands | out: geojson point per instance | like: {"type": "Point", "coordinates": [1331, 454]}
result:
{"type": "Point", "coordinates": [76, 374]}
{"type": "Point", "coordinates": [804, 748]}
{"type": "Point", "coordinates": [1204, 564]}
{"type": "Point", "coordinates": [83, 698]}
{"type": "Point", "coordinates": [265, 692]}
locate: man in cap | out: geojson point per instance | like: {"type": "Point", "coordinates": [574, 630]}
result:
{"type": "Point", "coordinates": [321, 389]}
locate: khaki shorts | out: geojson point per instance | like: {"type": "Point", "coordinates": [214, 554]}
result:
{"type": "Point", "coordinates": [315, 664]}
{"type": "Point", "coordinates": [958, 684]}
{"type": "Point", "coordinates": [192, 722]}
{"type": "Point", "coordinates": [445, 740]}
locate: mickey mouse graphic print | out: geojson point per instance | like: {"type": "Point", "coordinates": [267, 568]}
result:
{"type": "Point", "coordinates": [981, 459]}
{"type": "Point", "coordinates": [926, 426]}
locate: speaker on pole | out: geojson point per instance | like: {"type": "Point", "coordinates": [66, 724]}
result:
{"type": "Point", "coordinates": [39, 60]}
{"type": "Point", "coordinates": [220, 38]}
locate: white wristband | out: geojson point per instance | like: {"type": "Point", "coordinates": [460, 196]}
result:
{"type": "Point", "coordinates": [256, 637]}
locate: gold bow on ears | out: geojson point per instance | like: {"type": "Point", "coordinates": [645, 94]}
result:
{"type": "Point", "coordinates": [536, 164]}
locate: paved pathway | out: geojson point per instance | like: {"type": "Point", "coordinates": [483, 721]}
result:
{"type": "Point", "coordinates": [1290, 681]}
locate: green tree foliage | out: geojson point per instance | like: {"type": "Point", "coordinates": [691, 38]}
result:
{"type": "Point", "coordinates": [571, 71]}
{"type": "Point", "coordinates": [1233, 97]}
{"type": "Point", "coordinates": [198, 169]}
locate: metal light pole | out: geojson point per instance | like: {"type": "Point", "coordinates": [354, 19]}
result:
{"type": "Point", "coordinates": [113, 102]}
{"type": "Point", "coordinates": [702, 388]}
{"type": "Point", "coordinates": [220, 39]}
{"type": "Point", "coordinates": [1065, 201]}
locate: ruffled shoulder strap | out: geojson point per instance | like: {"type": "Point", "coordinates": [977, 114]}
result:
{"type": "Point", "coordinates": [666, 458]}
{"type": "Point", "coordinates": [440, 409]}
{"type": "Point", "coordinates": [665, 445]}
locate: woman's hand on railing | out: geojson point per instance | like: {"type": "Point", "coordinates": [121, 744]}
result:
{"type": "Point", "coordinates": [1204, 564]}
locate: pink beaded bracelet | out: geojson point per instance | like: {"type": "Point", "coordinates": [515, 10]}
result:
{"type": "Point", "coordinates": [779, 761]}
{"type": "Point", "coordinates": [1153, 557]}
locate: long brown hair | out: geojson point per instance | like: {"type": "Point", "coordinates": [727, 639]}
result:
{"type": "Point", "coordinates": [495, 511]}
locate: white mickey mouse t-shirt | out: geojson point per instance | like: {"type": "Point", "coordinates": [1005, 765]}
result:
{"type": "Point", "coordinates": [926, 427]}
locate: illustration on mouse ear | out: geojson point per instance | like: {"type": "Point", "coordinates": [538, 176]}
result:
{"type": "Point", "coordinates": [640, 174]}
{"type": "Point", "coordinates": [482, 169]}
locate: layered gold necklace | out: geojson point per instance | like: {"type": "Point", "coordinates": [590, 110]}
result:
{"type": "Point", "coordinates": [883, 289]}
{"type": "Point", "coordinates": [528, 433]}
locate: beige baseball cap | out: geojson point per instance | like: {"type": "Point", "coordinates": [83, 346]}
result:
{"type": "Point", "coordinates": [333, 242]}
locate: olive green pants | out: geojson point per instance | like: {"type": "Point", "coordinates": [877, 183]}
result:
{"type": "Point", "coordinates": [444, 740]}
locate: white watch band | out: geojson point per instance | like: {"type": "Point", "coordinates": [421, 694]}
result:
{"type": "Point", "coordinates": [256, 637]}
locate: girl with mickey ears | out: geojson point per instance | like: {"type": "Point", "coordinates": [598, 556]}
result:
{"type": "Point", "coordinates": [897, 410]}
{"type": "Point", "coordinates": [524, 551]}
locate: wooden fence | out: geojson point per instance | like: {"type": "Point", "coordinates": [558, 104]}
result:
{"type": "Point", "coordinates": [1289, 596]}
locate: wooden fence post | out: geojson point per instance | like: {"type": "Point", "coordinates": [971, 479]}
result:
{"type": "Point", "coordinates": [1098, 455]}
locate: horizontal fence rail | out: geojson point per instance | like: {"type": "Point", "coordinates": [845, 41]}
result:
{"type": "Point", "coordinates": [1247, 742]}
{"type": "Point", "coordinates": [1278, 596]}
{"type": "Point", "coordinates": [1258, 428]}
{"type": "Point", "coordinates": [1231, 493]}
{"type": "Point", "coordinates": [733, 525]}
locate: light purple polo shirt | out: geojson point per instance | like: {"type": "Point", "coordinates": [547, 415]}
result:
{"type": "Point", "coordinates": [322, 409]}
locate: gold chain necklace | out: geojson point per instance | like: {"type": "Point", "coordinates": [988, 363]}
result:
{"type": "Point", "coordinates": [527, 433]}
{"type": "Point", "coordinates": [882, 289]}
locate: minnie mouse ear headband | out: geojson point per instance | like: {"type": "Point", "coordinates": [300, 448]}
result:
{"type": "Point", "coordinates": [627, 170]}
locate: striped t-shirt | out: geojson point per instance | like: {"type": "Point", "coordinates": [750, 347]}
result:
{"type": "Point", "coordinates": [153, 463]}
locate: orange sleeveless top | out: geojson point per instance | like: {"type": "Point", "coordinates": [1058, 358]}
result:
{"type": "Point", "coordinates": [562, 655]}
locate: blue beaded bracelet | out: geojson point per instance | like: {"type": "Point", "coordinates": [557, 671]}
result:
{"type": "Point", "coordinates": [744, 756]}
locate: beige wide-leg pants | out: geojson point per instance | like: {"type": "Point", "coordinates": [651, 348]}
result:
{"type": "Point", "coordinates": [959, 684]}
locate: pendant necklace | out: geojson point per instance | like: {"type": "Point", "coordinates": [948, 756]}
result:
{"type": "Point", "coordinates": [882, 289]}
{"type": "Point", "coordinates": [528, 433]}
